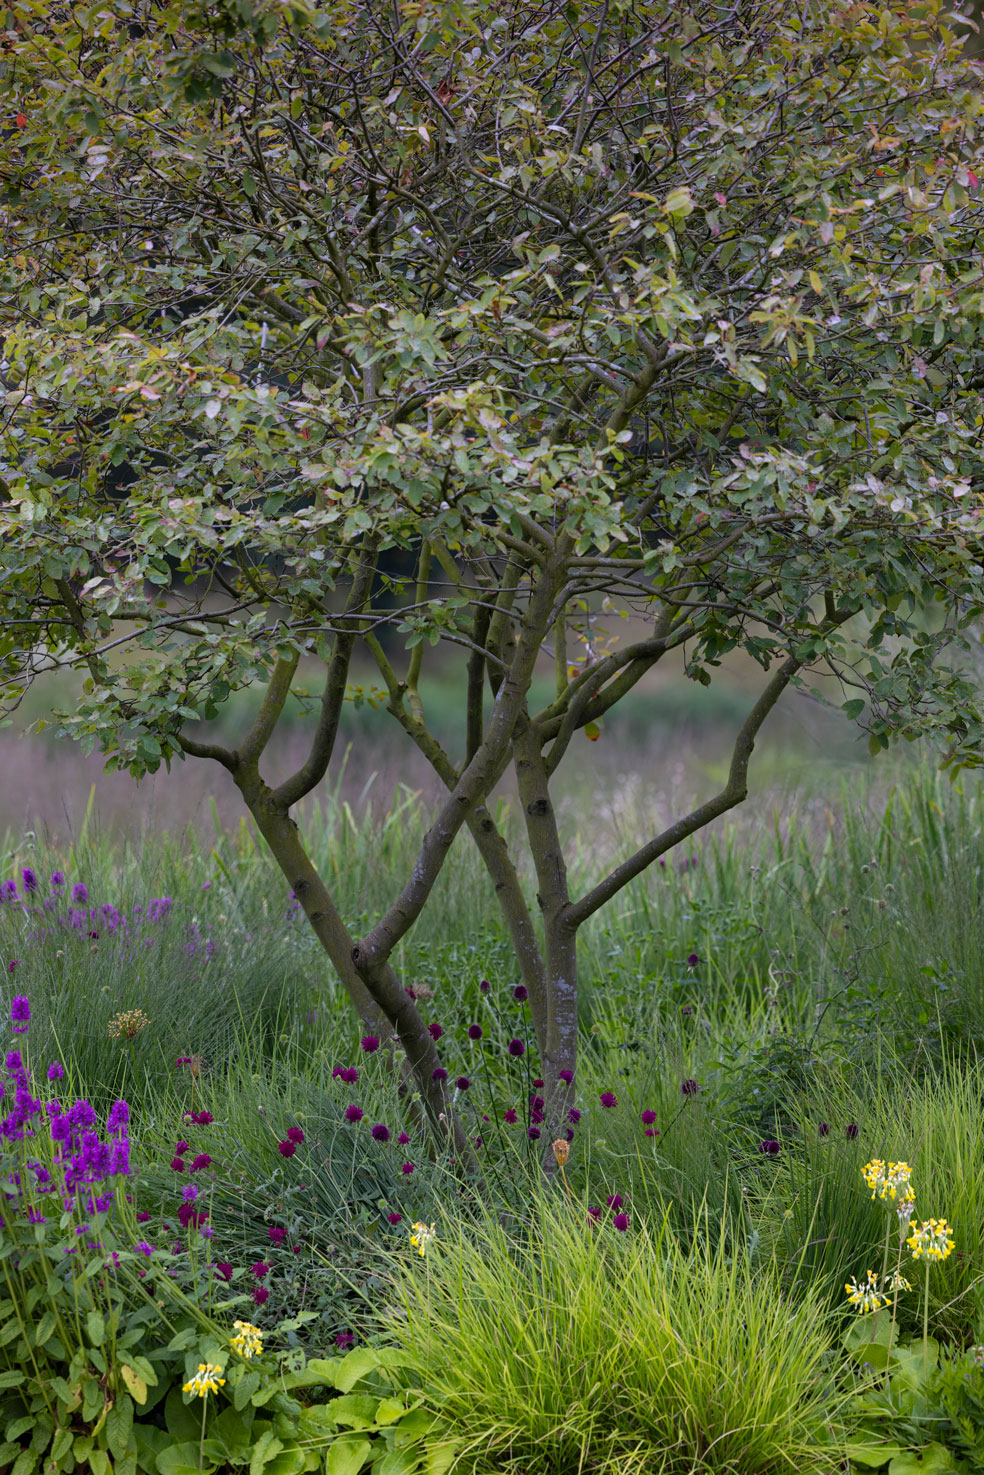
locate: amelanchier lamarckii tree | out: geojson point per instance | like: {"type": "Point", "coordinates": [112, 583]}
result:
{"type": "Point", "coordinates": [675, 304]}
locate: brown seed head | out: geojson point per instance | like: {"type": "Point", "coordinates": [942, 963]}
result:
{"type": "Point", "coordinates": [561, 1151]}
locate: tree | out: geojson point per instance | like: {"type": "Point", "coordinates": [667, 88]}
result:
{"type": "Point", "coordinates": [670, 307]}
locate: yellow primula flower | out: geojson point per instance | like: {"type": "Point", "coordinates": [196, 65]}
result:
{"type": "Point", "coordinates": [422, 1236]}
{"type": "Point", "coordinates": [865, 1295]}
{"type": "Point", "coordinates": [933, 1240]}
{"type": "Point", "coordinates": [205, 1381]}
{"type": "Point", "coordinates": [887, 1180]}
{"type": "Point", "coordinates": [248, 1341]}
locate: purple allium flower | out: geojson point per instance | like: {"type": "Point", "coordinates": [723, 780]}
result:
{"type": "Point", "coordinates": [615, 1200]}
{"type": "Point", "coordinates": [178, 1164]}
{"type": "Point", "coordinates": [567, 1076]}
{"type": "Point", "coordinates": [286, 1148]}
{"type": "Point", "coordinates": [407, 1169]}
{"type": "Point", "coordinates": [462, 1083]}
{"type": "Point", "coordinates": [403, 1139]}
{"type": "Point", "coordinates": [573, 1116]}
{"type": "Point", "coordinates": [516, 1047]}
{"type": "Point", "coordinates": [435, 1030]}
{"type": "Point", "coordinates": [769, 1147]}
{"type": "Point", "coordinates": [349, 1076]}
{"type": "Point", "coordinates": [295, 1134]}
{"type": "Point", "coordinates": [533, 1132]}
{"type": "Point", "coordinates": [370, 1044]}
{"type": "Point", "coordinates": [521, 993]}
{"type": "Point", "coordinates": [276, 1234]}
{"type": "Point", "coordinates": [485, 986]}
{"type": "Point", "coordinates": [689, 1087]}
{"type": "Point", "coordinates": [474, 1031]}
{"type": "Point", "coordinates": [353, 1113]}
{"type": "Point", "coordinates": [80, 893]}
{"type": "Point", "coordinates": [851, 1131]}
{"type": "Point", "coordinates": [201, 1161]}
{"type": "Point", "coordinates": [380, 1132]}
{"type": "Point", "coordinates": [344, 1340]}
{"type": "Point", "coordinates": [260, 1295]}
{"type": "Point", "coordinates": [510, 1116]}
{"type": "Point", "coordinates": [692, 960]}
{"type": "Point", "coordinates": [394, 1218]}
{"type": "Point", "coordinates": [30, 879]}
{"type": "Point", "coordinates": [537, 1084]}
{"type": "Point", "coordinates": [648, 1117]}
{"type": "Point", "coordinates": [55, 1071]}
{"type": "Point", "coordinates": [142, 1216]}
{"type": "Point", "coordinates": [439, 1073]}
{"type": "Point", "coordinates": [58, 878]}
{"type": "Point", "coordinates": [608, 1099]}
{"type": "Point", "coordinates": [224, 1269]}
{"type": "Point", "coordinates": [621, 1222]}
{"type": "Point", "coordinates": [20, 1013]}
{"type": "Point", "coordinates": [259, 1270]}
{"type": "Point", "coordinates": [824, 1129]}
{"type": "Point", "coordinates": [180, 1147]}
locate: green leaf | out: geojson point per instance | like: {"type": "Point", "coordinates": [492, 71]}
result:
{"type": "Point", "coordinates": [119, 1424]}
{"type": "Point", "coordinates": [347, 1454]}
{"type": "Point", "coordinates": [245, 1388]}
{"type": "Point", "coordinates": [179, 1459]}
{"type": "Point", "coordinates": [932, 1459]}
{"type": "Point", "coordinates": [266, 1447]}
{"type": "Point", "coordinates": [95, 1328]}
{"type": "Point", "coordinates": [45, 1327]}
{"type": "Point", "coordinates": [871, 1456]}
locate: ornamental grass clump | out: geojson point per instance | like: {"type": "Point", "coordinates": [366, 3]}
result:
{"type": "Point", "coordinates": [554, 1343]}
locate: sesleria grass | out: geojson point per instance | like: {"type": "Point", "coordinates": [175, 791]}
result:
{"type": "Point", "coordinates": [562, 1344]}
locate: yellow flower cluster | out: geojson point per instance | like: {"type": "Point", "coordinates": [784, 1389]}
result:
{"type": "Point", "coordinates": [866, 1294]}
{"type": "Point", "coordinates": [248, 1341]}
{"type": "Point", "coordinates": [422, 1235]}
{"type": "Point", "coordinates": [933, 1240]}
{"type": "Point", "coordinates": [888, 1180]}
{"type": "Point", "coordinates": [205, 1381]}
{"type": "Point", "coordinates": [127, 1026]}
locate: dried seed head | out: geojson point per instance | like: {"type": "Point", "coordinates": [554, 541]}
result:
{"type": "Point", "coordinates": [561, 1151]}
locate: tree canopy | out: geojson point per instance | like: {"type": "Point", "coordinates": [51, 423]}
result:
{"type": "Point", "coordinates": [671, 306]}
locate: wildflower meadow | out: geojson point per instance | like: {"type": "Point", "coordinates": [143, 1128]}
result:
{"type": "Point", "coordinates": [229, 1240]}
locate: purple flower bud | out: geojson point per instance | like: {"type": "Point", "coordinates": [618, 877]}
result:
{"type": "Point", "coordinates": [439, 1073]}
{"type": "Point", "coordinates": [692, 960]}
{"type": "Point", "coordinates": [689, 1087]}
{"type": "Point", "coordinates": [521, 993]}
{"type": "Point", "coordinates": [462, 1083]}
{"type": "Point", "coordinates": [517, 1048]}
{"type": "Point", "coordinates": [474, 1031]}
{"type": "Point", "coordinates": [380, 1132]}
{"type": "Point", "coordinates": [851, 1131]}
{"type": "Point", "coordinates": [573, 1116]}
{"type": "Point", "coordinates": [566, 1075]}
{"type": "Point", "coordinates": [824, 1129]}
{"type": "Point", "coordinates": [485, 986]}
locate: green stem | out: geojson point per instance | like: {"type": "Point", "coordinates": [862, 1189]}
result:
{"type": "Point", "coordinates": [201, 1442]}
{"type": "Point", "coordinates": [926, 1326]}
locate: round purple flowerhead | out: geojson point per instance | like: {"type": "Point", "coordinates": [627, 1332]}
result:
{"type": "Point", "coordinates": [286, 1148]}
{"type": "Point", "coordinates": [370, 1043]}
{"type": "Point", "coordinates": [276, 1234]}
{"type": "Point", "coordinates": [648, 1117]}
{"type": "Point", "coordinates": [380, 1132]}
{"type": "Point", "coordinates": [260, 1295]}
{"type": "Point", "coordinates": [521, 993]}
{"type": "Point", "coordinates": [621, 1222]}
{"type": "Point", "coordinates": [689, 1087]}
{"type": "Point", "coordinates": [517, 1048]}
{"type": "Point", "coordinates": [394, 1218]}
{"type": "Point", "coordinates": [769, 1147]}
{"type": "Point", "coordinates": [510, 1116]}
{"type": "Point", "coordinates": [824, 1129]}
{"type": "Point", "coordinates": [533, 1132]}
{"type": "Point", "coordinates": [566, 1075]}
{"type": "Point", "coordinates": [615, 1200]}
{"type": "Point", "coordinates": [201, 1161]}
{"type": "Point", "coordinates": [485, 986]}
{"type": "Point", "coordinates": [260, 1269]}
{"type": "Point", "coordinates": [851, 1131]}
{"type": "Point", "coordinates": [608, 1099]}
{"type": "Point", "coordinates": [474, 1031]}
{"type": "Point", "coordinates": [435, 1030]}
{"type": "Point", "coordinates": [462, 1083]}
{"type": "Point", "coordinates": [573, 1116]}
{"type": "Point", "coordinates": [178, 1164]}
{"type": "Point", "coordinates": [353, 1113]}
{"type": "Point", "coordinates": [439, 1073]}
{"type": "Point", "coordinates": [295, 1134]}
{"type": "Point", "coordinates": [407, 1169]}
{"type": "Point", "coordinates": [692, 960]}
{"type": "Point", "coordinates": [20, 1014]}
{"type": "Point", "coordinates": [403, 1139]}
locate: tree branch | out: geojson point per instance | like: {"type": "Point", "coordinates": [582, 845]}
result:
{"type": "Point", "coordinates": [733, 793]}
